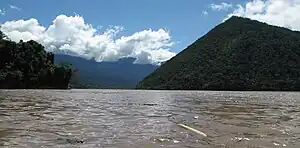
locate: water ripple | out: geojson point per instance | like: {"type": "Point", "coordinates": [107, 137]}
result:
{"type": "Point", "coordinates": [127, 118]}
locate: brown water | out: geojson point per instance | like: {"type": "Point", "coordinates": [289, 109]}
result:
{"type": "Point", "coordinates": [148, 119]}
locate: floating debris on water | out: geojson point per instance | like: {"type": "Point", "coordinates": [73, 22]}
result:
{"type": "Point", "coordinates": [166, 140]}
{"type": "Point", "coordinates": [192, 129]}
{"type": "Point", "coordinates": [239, 139]}
{"type": "Point", "coordinates": [276, 144]}
{"type": "Point", "coordinates": [284, 145]}
{"type": "Point", "coordinates": [196, 117]}
{"type": "Point", "coordinates": [162, 139]}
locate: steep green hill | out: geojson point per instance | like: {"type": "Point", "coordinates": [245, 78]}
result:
{"type": "Point", "coordinates": [239, 54]}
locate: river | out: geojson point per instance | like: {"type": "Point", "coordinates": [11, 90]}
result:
{"type": "Point", "coordinates": [148, 119]}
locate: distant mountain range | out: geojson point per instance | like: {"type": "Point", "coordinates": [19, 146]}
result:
{"type": "Point", "coordinates": [119, 74]}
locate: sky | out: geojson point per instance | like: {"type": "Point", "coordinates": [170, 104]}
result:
{"type": "Point", "coordinates": [152, 31]}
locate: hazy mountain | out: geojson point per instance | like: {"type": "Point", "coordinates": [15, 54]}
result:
{"type": "Point", "coordinates": [238, 54]}
{"type": "Point", "coordinates": [119, 74]}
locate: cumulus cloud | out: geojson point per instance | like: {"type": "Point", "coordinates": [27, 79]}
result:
{"type": "Point", "coordinates": [204, 12]}
{"type": "Point", "coordinates": [2, 12]}
{"type": "Point", "coordinates": [221, 6]}
{"type": "Point", "coordinates": [15, 7]}
{"type": "Point", "coordinates": [72, 35]}
{"type": "Point", "coordinates": [282, 13]}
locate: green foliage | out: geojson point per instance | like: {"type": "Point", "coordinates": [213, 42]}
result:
{"type": "Point", "coordinates": [239, 54]}
{"type": "Point", "coordinates": [28, 65]}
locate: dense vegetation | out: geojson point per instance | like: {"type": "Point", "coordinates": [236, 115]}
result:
{"type": "Point", "coordinates": [28, 65]}
{"type": "Point", "coordinates": [239, 54]}
{"type": "Point", "coordinates": [121, 74]}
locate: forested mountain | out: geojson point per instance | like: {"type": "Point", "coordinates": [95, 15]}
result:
{"type": "Point", "coordinates": [238, 54]}
{"type": "Point", "coordinates": [119, 74]}
{"type": "Point", "coordinates": [28, 65]}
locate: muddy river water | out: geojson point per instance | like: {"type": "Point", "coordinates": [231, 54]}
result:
{"type": "Point", "coordinates": [148, 119]}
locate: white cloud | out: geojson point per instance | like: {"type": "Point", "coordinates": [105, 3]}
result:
{"type": "Point", "coordinates": [204, 12]}
{"type": "Point", "coordinates": [282, 13]}
{"type": "Point", "coordinates": [72, 35]}
{"type": "Point", "coordinates": [2, 12]}
{"type": "Point", "coordinates": [15, 7]}
{"type": "Point", "coordinates": [221, 6]}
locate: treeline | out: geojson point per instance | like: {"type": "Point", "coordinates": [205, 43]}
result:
{"type": "Point", "coordinates": [28, 65]}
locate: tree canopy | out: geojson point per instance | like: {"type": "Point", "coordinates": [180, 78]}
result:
{"type": "Point", "coordinates": [28, 65]}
